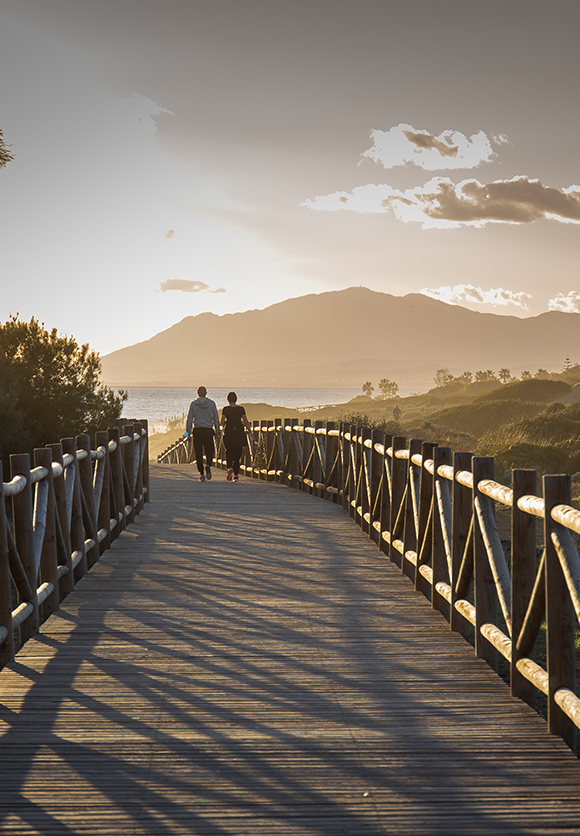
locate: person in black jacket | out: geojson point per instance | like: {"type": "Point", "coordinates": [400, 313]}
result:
{"type": "Point", "coordinates": [235, 424]}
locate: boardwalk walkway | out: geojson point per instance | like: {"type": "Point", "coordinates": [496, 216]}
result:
{"type": "Point", "coordinates": [244, 661]}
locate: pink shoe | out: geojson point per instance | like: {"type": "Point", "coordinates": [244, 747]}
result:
{"type": "Point", "coordinates": [236, 479]}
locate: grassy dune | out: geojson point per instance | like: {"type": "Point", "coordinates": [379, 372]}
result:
{"type": "Point", "coordinates": [530, 423]}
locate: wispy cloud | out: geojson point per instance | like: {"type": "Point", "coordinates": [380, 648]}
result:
{"type": "Point", "coordinates": [460, 294]}
{"type": "Point", "coordinates": [566, 302]}
{"type": "Point", "coordinates": [188, 286]}
{"type": "Point", "coordinates": [144, 111]}
{"type": "Point", "coordinates": [169, 234]}
{"type": "Point", "coordinates": [443, 204]}
{"type": "Point", "coordinates": [405, 145]}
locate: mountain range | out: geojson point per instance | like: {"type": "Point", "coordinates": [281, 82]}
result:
{"type": "Point", "coordinates": [341, 338]}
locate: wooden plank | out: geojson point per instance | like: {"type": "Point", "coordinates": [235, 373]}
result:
{"type": "Point", "coordinates": [243, 660]}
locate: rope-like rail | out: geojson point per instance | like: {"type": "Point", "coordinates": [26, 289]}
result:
{"type": "Point", "coordinates": [432, 512]}
{"type": "Point", "coordinates": [65, 511]}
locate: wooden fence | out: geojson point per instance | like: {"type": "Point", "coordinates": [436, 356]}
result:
{"type": "Point", "coordinates": [64, 512]}
{"type": "Point", "coordinates": [433, 513]}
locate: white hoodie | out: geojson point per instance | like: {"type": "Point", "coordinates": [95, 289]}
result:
{"type": "Point", "coordinates": [202, 413]}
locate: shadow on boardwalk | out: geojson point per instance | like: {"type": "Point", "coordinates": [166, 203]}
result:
{"type": "Point", "coordinates": [244, 661]}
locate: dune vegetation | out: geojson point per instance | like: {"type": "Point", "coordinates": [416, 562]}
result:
{"type": "Point", "coordinates": [529, 423]}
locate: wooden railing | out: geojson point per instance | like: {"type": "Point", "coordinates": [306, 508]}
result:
{"type": "Point", "coordinates": [433, 513]}
{"type": "Point", "coordinates": [64, 512]}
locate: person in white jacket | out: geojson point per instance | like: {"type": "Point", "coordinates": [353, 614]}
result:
{"type": "Point", "coordinates": [203, 419]}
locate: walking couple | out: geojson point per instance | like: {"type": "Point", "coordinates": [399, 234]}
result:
{"type": "Point", "coordinates": [203, 419]}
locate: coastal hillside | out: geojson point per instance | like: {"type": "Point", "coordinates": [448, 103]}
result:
{"type": "Point", "coordinates": [339, 339]}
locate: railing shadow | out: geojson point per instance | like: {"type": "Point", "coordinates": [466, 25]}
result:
{"type": "Point", "coordinates": [230, 646]}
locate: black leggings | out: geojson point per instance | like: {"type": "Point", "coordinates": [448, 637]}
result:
{"type": "Point", "coordinates": [203, 443]}
{"type": "Point", "coordinates": [233, 456]}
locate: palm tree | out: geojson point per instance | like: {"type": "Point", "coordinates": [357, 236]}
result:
{"type": "Point", "coordinates": [368, 388]}
{"type": "Point", "coordinates": [481, 375]}
{"type": "Point", "coordinates": [388, 387]}
{"type": "Point", "coordinates": [5, 155]}
{"type": "Point", "coordinates": [442, 377]}
{"type": "Point", "coordinates": [505, 375]}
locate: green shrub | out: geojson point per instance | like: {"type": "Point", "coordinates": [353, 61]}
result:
{"type": "Point", "coordinates": [50, 388]}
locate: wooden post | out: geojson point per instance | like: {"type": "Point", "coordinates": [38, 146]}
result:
{"type": "Point", "coordinates": [412, 509]}
{"type": "Point", "coordinates": [398, 483]}
{"type": "Point", "coordinates": [355, 458]}
{"type": "Point", "coordinates": [22, 509]}
{"type": "Point", "coordinates": [365, 480]}
{"type": "Point", "coordinates": [462, 516]}
{"type": "Point", "coordinates": [385, 499]}
{"type": "Point", "coordinates": [524, 564]}
{"type": "Point", "coordinates": [190, 448]}
{"type": "Point", "coordinates": [377, 470]}
{"type": "Point", "coordinates": [128, 458]}
{"type": "Point", "coordinates": [85, 470]}
{"type": "Point", "coordinates": [344, 469]}
{"type": "Point", "coordinates": [292, 466]}
{"type": "Point", "coordinates": [442, 487]}
{"type": "Point", "coordinates": [560, 617]}
{"type": "Point", "coordinates": [278, 446]}
{"type": "Point", "coordinates": [67, 581]}
{"type": "Point", "coordinates": [146, 482]}
{"type": "Point", "coordinates": [330, 450]}
{"type": "Point", "coordinates": [117, 486]}
{"type": "Point", "coordinates": [284, 451]}
{"type": "Point", "coordinates": [317, 470]}
{"type": "Point", "coordinates": [104, 510]}
{"type": "Point", "coordinates": [74, 507]}
{"type": "Point", "coordinates": [425, 538]}
{"type": "Point", "coordinates": [269, 436]}
{"type": "Point", "coordinates": [258, 443]}
{"type": "Point", "coordinates": [484, 585]}
{"type": "Point", "coordinates": [48, 556]}
{"type": "Point", "coordinates": [306, 450]}
{"type": "Point", "coordinates": [262, 435]}
{"type": "Point", "coordinates": [138, 466]}
{"type": "Point", "coordinates": [7, 645]}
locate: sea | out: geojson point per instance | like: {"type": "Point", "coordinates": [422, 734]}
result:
{"type": "Point", "coordinates": [163, 404]}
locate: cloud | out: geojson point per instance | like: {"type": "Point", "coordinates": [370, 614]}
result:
{"type": "Point", "coordinates": [440, 203]}
{"type": "Point", "coordinates": [569, 303]}
{"type": "Point", "coordinates": [462, 293]}
{"type": "Point", "coordinates": [362, 199]}
{"type": "Point", "coordinates": [188, 286]}
{"type": "Point", "coordinates": [169, 234]}
{"type": "Point", "coordinates": [405, 145]}
{"type": "Point", "coordinates": [143, 110]}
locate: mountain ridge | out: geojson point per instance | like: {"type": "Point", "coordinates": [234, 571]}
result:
{"type": "Point", "coordinates": [299, 342]}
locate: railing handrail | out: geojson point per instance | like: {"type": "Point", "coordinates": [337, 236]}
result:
{"type": "Point", "coordinates": [66, 510]}
{"type": "Point", "coordinates": [18, 483]}
{"type": "Point", "coordinates": [433, 513]}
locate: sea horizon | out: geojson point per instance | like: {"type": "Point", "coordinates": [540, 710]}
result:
{"type": "Point", "coordinates": [162, 404]}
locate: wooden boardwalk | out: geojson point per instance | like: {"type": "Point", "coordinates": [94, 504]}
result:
{"type": "Point", "coordinates": [244, 661]}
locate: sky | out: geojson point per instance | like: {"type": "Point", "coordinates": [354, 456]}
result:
{"type": "Point", "coordinates": [188, 156]}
